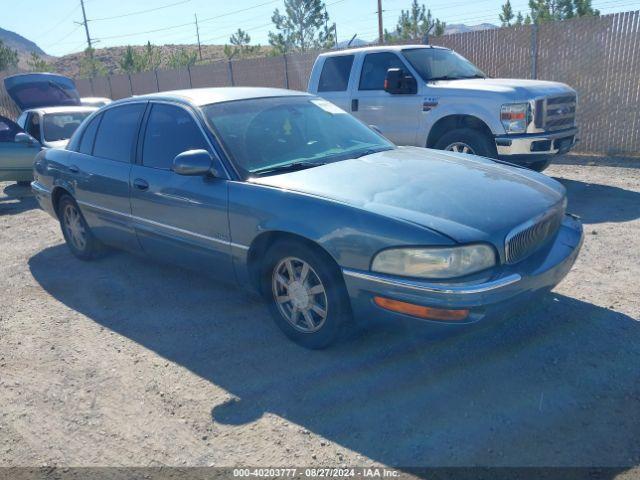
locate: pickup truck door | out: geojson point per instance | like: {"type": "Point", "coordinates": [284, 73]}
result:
{"type": "Point", "coordinates": [16, 159]}
{"type": "Point", "coordinates": [396, 116]}
{"type": "Point", "coordinates": [178, 218]}
{"type": "Point", "coordinates": [334, 79]}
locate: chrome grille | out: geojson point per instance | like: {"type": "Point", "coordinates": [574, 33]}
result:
{"type": "Point", "coordinates": [528, 237]}
{"type": "Point", "coordinates": [556, 113]}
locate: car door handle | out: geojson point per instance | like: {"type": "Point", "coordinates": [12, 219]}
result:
{"type": "Point", "coordinates": [73, 169]}
{"type": "Point", "coordinates": [140, 184]}
{"type": "Point", "coordinates": [354, 105]}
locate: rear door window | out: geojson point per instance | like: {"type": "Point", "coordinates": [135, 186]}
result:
{"type": "Point", "coordinates": [89, 136]}
{"type": "Point", "coordinates": [335, 74]}
{"type": "Point", "coordinates": [117, 132]}
{"type": "Point", "coordinates": [170, 130]}
{"type": "Point", "coordinates": [374, 69]}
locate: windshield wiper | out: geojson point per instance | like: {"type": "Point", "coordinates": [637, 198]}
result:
{"type": "Point", "coordinates": [289, 167]}
{"type": "Point", "coordinates": [446, 77]}
{"type": "Point", "coordinates": [369, 151]}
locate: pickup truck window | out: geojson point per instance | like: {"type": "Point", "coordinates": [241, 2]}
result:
{"type": "Point", "coordinates": [170, 131]}
{"type": "Point", "coordinates": [441, 64]}
{"type": "Point", "coordinates": [266, 135]}
{"type": "Point", "coordinates": [117, 132]}
{"type": "Point", "coordinates": [374, 69]}
{"type": "Point", "coordinates": [335, 74]}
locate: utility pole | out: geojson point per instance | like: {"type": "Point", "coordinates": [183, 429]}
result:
{"type": "Point", "coordinates": [86, 25]}
{"type": "Point", "coordinates": [380, 33]}
{"type": "Point", "coordinates": [198, 36]}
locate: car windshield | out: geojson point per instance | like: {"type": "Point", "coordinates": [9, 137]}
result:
{"type": "Point", "coordinates": [267, 135]}
{"type": "Point", "coordinates": [60, 126]}
{"type": "Point", "coordinates": [441, 64]}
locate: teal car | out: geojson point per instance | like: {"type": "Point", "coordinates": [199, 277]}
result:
{"type": "Point", "coordinates": [51, 113]}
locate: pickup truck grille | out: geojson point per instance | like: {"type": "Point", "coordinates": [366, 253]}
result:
{"type": "Point", "coordinates": [556, 113]}
{"type": "Point", "coordinates": [525, 239]}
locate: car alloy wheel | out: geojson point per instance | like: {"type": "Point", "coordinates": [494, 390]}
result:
{"type": "Point", "coordinates": [299, 294]}
{"type": "Point", "coordinates": [460, 147]}
{"type": "Point", "coordinates": [72, 222]}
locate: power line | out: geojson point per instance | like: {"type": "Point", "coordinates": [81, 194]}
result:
{"type": "Point", "coordinates": [66, 17]}
{"type": "Point", "coordinates": [139, 12]}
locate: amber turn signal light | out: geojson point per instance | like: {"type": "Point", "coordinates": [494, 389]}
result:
{"type": "Point", "coordinates": [421, 311]}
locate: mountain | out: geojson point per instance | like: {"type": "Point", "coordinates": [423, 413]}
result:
{"type": "Point", "coordinates": [23, 46]}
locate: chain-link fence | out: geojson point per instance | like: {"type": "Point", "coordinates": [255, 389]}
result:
{"type": "Point", "coordinates": [598, 56]}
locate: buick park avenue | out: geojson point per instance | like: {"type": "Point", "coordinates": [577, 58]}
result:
{"type": "Point", "coordinates": [286, 193]}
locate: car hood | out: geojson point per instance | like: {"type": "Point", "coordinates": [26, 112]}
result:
{"type": "Point", "coordinates": [514, 88]}
{"type": "Point", "coordinates": [36, 90]}
{"type": "Point", "coordinates": [467, 198]}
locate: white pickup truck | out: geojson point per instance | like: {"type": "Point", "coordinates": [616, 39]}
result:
{"type": "Point", "coordinates": [432, 97]}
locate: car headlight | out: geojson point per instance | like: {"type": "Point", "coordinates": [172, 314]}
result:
{"type": "Point", "coordinates": [515, 117]}
{"type": "Point", "coordinates": [438, 262]}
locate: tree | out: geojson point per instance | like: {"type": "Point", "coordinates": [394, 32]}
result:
{"type": "Point", "coordinates": [8, 57]}
{"type": "Point", "coordinates": [507, 14]}
{"type": "Point", "coordinates": [583, 8]}
{"type": "Point", "coordinates": [90, 66]}
{"type": "Point", "coordinates": [151, 58]}
{"type": "Point", "coordinates": [182, 58]}
{"type": "Point", "coordinates": [417, 22]}
{"type": "Point", "coordinates": [519, 19]}
{"type": "Point", "coordinates": [240, 45]}
{"type": "Point", "coordinates": [37, 64]}
{"type": "Point", "coordinates": [130, 61]}
{"type": "Point", "coordinates": [548, 10]}
{"type": "Point", "coordinates": [304, 25]}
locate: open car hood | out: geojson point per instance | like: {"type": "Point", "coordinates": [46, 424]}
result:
{"type": "Point", "coordinates": [36, 90]}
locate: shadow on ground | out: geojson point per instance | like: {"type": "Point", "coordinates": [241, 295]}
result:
{"type": "Point", "coordinates": [556, 386]}
{"type": "Point", "coordinates": [596, 203]}
{"type": "Point", "coordinates": [17, 199]}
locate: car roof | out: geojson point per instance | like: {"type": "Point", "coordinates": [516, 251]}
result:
{"type": "Point", "coordinates": [379, 48]}
{"type": "Point", "coordinates": [206, 96]}
{"type": "Point", "coordinates": [68, 109]}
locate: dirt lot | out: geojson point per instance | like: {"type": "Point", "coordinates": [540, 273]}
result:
{"type": "Point", "coordinates": [123, 362]}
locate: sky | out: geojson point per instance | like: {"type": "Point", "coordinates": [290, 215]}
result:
{"type": "Point", "coordinates": [118, 22]}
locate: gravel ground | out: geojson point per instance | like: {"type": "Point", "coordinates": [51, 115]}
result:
{"type": "Point", "coordinates": [123, 362]}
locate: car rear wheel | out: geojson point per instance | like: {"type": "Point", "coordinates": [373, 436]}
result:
{"type": "Point", "coordinates": [306, 295]}
{"type": "Point", "coordinates": [80, 240]}
{"type": "Point", "coordinates": [467, 140]}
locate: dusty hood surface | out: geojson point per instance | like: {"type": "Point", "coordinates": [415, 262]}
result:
{"type": "Point", "coordinates": [466, 198]}
{"type": "Point", "coordinates": [516, 88]}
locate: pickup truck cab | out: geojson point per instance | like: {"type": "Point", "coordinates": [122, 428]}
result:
{"type": "Point", "coordinates": [430, 96]}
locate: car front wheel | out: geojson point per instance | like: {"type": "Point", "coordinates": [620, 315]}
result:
{"type": "Point", "coordinates": [306, 294]}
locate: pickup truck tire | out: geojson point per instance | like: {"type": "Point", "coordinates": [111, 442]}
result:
{"type": "Point", "coordinates": [77, 234]}
{"type": "Point", "coordinates": [24, 183]}
{"type": "Point", "coordinates": [306, 294]}
{"type": "Point", "coordinates": [467, 140]}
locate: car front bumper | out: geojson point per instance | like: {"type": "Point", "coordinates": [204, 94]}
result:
{"type": "Point", "coordinates": [497, 296]}
{"type": "Point", "coordinates": [536, 145]}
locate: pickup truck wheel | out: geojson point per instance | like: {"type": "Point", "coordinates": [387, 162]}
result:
{"type": "Point", "coordinates": [306, 295]}
{"type": "Point", "coordinates": [467, 140]}
{"type": "Point", "coordinates": [77, 234]}
{"type": "Point", "coordinates": [24, 183]}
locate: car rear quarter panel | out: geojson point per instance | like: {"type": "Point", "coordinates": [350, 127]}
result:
{"type": "Point", "coordinates": [349, 234]}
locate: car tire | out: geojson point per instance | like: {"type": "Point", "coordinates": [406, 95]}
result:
{"type": "Point", "coordinates": [318, 311]}
{"type": "Point", "coordinates": [77, 234]}
{"type": "Point", "coordinates": [24, 183]}
{"type": "Point", "coordinates": [540, 165]}
{"type": "Point", "coordinates": [467, 140]}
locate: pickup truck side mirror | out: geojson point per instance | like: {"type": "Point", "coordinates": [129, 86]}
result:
{"type": "Point", "coordinates": [397, 81]}
{"type": "Point", "coordinates": [25, 138]}
{"type": "Point", "coordinates": [194, 163]}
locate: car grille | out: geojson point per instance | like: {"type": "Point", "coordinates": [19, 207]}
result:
{"type": "Point", "coordinates": [528, 237]}
{"type": "Point", "coordinates": [556, 113]}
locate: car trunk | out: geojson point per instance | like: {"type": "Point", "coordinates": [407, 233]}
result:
{"type": "Point", "coordinates": [36, 90]}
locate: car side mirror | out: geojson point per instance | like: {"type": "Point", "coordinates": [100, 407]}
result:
{"type": "Point", "coordinates": [23, 137]}
{"type": "Point", "coordinates": [397, 81]}
{"type": "Point", "coordinates": [194, 163]}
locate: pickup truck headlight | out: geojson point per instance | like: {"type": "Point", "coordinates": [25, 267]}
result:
{"type": "Point", "coordinates": [438, 262]}
{"type": "Point", "coordinates": [515, 117]}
